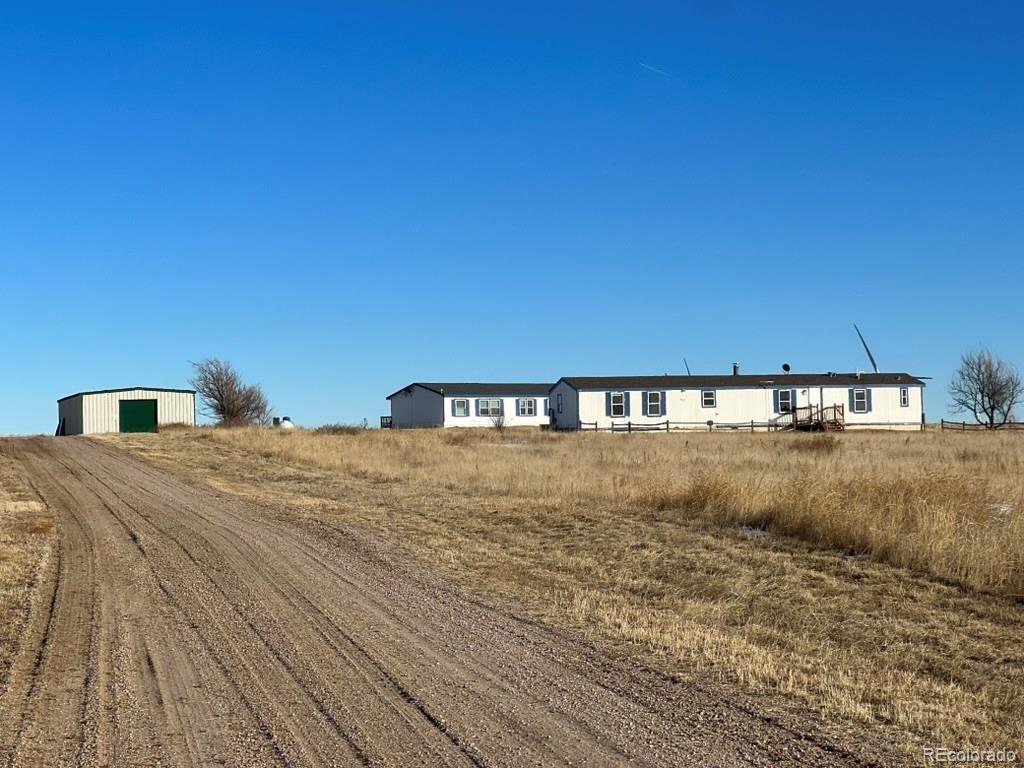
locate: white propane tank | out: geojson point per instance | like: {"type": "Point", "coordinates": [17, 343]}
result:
{"type": "Point", "coordinates": [286, 423]}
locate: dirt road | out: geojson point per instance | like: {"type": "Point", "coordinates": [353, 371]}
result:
{"type": "Point", "coordinates": [184, 627]}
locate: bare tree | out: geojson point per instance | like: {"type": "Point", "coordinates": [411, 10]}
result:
{"type": "Point", "coordinates": [226, 397]}
{"type": "Point", "coordinates": [986, 387]}
{"type": "Point", "coordinates": [498, 422]}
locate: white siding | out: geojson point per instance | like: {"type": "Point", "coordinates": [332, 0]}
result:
{"type": "Point", "coordinates": [90, 414]}
{"type": "Point", "coordinates": [416, 407]}
{"type": "Point", "coordinates": [739, 406]}
{"type": "Point", "coordinates": [886, 411]}
{"type": "Point", "coordinates": [569, 417]}
{"type": "Point", "coordinates": [69, 411]}
{"type": "Point", "coordinates": [508, 409]}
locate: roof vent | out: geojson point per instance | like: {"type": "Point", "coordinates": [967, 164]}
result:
{"type": "Point", "coordinates": [735, 369]}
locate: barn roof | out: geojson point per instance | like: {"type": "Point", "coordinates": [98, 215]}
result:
{"type": "Point", "coordinates": [478, 388]}
{"type": "Point", "coordinates": [127, 389]}
{"type": "Point", "coordinates": [742, 380]}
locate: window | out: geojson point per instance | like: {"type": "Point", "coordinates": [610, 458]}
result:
{"type": "Point", "coordinates": [489, 407]}
{"type": "Point", "coordinates": [559, 402]}
{"type": "Point", "coordinates": [785, 400]}
{"type": "Point", "coordinates": [618, 404]}
{"type": "Point", "coordinates": [904, 397]}
{"type": "Point", "coordinates": [526, 407]}
{"type": "Point", "coordinates": [654, 404]}
{"type": "Point", "coordinates": [460, 407]}
{"type": "Point", "coordinates": [707, 398]}
{"type": "Point", "coordinates": [860, 401]}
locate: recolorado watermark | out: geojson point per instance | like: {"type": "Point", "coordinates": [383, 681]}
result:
{"type": "Point", "coordinates": [968, 756]}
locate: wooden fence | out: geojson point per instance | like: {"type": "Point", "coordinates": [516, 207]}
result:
{"type": "Point", "coordinates": [963, 426]}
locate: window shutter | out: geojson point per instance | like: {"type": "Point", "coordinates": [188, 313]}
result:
{"type": "Point", "coordinates": [453, 406]}
{"type": "Point", "coordinates": [851, 400]}
{"type": "Point", "coordinates": [664, 405]}
{"type": "Point", "coordinates": [775, 400]}
{"type": "Point", "coordinates": [501, 406]}
{"type": "Point", "coordinates": [868, 393]}
{"type": "Point", "coordinates": [477, 401]}
{"type": "Point", "coordinates": [608, 404]}
{"type": "Point", "coordinates": [645, 404]}
{"type": "Point", "coordinates": [625, 403]}
{"type": "Point", "coordinates": [792, 399]}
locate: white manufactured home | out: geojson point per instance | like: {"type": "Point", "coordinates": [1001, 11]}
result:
{"type": "Point", "coordinates": [137, 409]}
{"type": "Point", "coordinates": [751, 402]}
{"type": "Point", "coordinates": [436, 404]}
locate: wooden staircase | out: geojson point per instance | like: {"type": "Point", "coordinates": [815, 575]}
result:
{"type": "Point", "coordinates": [811, 418]}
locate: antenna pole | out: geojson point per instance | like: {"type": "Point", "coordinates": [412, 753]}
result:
{"type": "Point", "coordinates": [871, 357]}
{"type": "Point", "coordinates": [687, 367]}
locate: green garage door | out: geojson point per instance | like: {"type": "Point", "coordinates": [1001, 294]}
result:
{"type": "Point", "coordinates": [138, 415]}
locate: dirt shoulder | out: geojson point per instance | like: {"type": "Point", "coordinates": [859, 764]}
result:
{"type": "Point", "coordinates": [28, 546]}
{"type": "Point", "coordinates": [867, 651]}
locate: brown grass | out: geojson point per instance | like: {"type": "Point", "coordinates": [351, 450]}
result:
{"type": "Point", "coordinates": [27, 541]}
{"type": "Point", "coordinates": [874, 578]}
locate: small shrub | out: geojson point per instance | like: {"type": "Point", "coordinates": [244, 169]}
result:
{"type": "Point", "coordinates": [339, 429]}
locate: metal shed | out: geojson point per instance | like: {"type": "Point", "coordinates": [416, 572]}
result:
{"type": "Point", "coordinates": [135, 409]}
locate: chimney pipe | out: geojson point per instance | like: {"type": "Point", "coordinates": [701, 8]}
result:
{"type": "Point", "coordinates": [735, 369]}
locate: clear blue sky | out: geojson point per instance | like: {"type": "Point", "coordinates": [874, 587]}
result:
{"type": "Point", "coordinates": [341, 200]}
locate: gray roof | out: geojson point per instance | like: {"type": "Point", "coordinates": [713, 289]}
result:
{"type": "Point", "coordinates": [743, 380]}
{"type": "Point", "coordinates": [485, 389]}
{"type": "Point", "coordinates": [128, 389]}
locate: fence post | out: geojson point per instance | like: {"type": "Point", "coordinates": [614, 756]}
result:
{"type": "Point", "coordinates": [629, 426]}
{"type": "Point", "coordinates": [963, 428]}
{"type": "Point", "coordinates": [666, 425]}
{"type": "Point", "coordinates": [751, 425]}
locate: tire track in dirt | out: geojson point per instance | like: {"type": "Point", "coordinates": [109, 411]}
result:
{"type": "Point", "coordinates": [182, 626]}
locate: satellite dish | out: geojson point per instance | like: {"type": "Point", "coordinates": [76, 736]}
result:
{"type": "Point", "coordinates": [786, 368]}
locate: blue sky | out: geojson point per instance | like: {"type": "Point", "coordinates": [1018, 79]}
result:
{"type": "Point", "coordinates": [343, 199]}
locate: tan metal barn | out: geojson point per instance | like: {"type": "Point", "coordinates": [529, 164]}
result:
{"type": "Point", "coordinates": [136, 409]}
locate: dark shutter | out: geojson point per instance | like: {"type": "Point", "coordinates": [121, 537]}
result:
{"type": "Point", "coordinates": [625, 403]}
{"type": "Point", "coordinates": [645, 404]}
{"type": "Point", "coordinates": [664, 404]}
{"type": "Point", "coordinates": [775, 401]}
{"type": "Point", "coordinates": [851, 401]}
{"type": "Point", "coordinates": [608, 404]}
{"type": "Point", "coordinates": [867, 393]}
{"type": "Point", "coordinates": [792, 400]}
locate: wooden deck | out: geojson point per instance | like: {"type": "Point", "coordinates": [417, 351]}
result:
{"type": "Point", "coordinates": [812, 418]}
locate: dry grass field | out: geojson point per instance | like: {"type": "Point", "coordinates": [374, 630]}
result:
{"type": "Point", "coordinates": [27, 540]}
{"type": "Point", "coordinates": [876, 579]}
